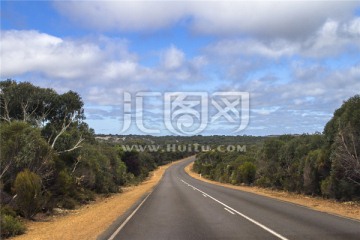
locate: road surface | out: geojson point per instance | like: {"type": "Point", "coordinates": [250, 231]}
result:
{"type": "Point", "coordinates": [181, 207]}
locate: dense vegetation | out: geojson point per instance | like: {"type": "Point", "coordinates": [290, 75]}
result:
{"type": "Point", "coordinates": [325, 164]}
{"type": "Point", "coordinates": [49, 157]}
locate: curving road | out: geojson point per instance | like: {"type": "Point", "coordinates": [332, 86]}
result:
{"type": "Point", "coordinates": [181, 207]}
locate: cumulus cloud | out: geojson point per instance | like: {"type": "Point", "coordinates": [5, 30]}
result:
{"type": "Point", "coordinates": [173, 58]}
{"type": "Point", "coordinates": [285, 19]}
{"type": "Point", "coordinates": [25, 51]}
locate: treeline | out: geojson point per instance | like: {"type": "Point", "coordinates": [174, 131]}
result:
{"type": "Point", "coordinates": [325, 164]}
{"type": "Point", "coordinates": [212, 140]}
{"type": "Point", "coordinates": [49, 157]}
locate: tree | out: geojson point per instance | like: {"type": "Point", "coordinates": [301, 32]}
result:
{"type": "Point", "coordinates": [270, 171]}
{"type": "Point", "coordinates": [310, 175]}
{"type": "Point", "coordinates": [25, 102]}
{"type": "Point", "coordinates": [67, 113]}
{"type": "Point", "coordinates": [133, 162]}
{"type": "Point", "coordinates": [22, 147]}
{"type": "Point", "coordinates": [43, 107]}
{"type": "Point", "coordinates": [343, 141]}
{"type": "Point", "coordinates": [348, 154]}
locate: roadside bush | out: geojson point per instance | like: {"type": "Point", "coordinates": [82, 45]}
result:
{"type": "Point", "coordinates": [7, 210]}
{"type": "Point", "coordinates": [247, 172]}
{"type": "Point", "coordinates": [84, 196]}
{"type": "Point", "coordinates": [11, 226]}
{"type": "Point", "coordinates": [64, 183]}
{"type": "Point", "coordinates": [68, 203]}
{"type": "Point", "coordinates": [325, 187]}
{"type": "Point", "coordinates": [28, 189]}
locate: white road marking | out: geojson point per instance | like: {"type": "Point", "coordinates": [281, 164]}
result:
{"type": "Point", "coordinates": [229, 211]}
{"type": "Point", "coordinates": [127, 219]}
{"type": "Point", "coordinates": [204, 195]}
{"type": "Point", "coordinates": [241, 214]}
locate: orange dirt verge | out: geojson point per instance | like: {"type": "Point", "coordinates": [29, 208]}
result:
{"type": "Point", "coordinates": [91, 220]}
{"type": "Point", "coordinates": [344, 209]}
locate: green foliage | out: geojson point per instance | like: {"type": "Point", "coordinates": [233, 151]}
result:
{"type": "Point", "coordinates": [348, 115]}
{"type": "Point", "coordinates": [64, 183]}
{"type": "Point", "coordinates": [343, 135]}
{"type": "Point", "coordinates": [7, 210]}
{"type": "Point", "coordinates": [11, 226]}
{"type": "Point", "coordinates": [246, 173]}
{"type": "Point", "coordinates": [94, 170]}
{"type": "Point", "coordinates": [67, 202]}
{"type": "Point", "coordinates": [311, 178]}
{"type": "Point", "coordinates": [28, 189]}
{"type": "Point", "coordinates": [22, 147]}
{"type": "Point", "coordinates": [231, 167]}
{"type": "Point", "coordinates": [326, 188]}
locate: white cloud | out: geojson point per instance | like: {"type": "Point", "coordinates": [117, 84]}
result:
{"type": "Point", "coordinates": [240, 47]}
{"type": "Point", "coordinates": [173, 58]}
{"type": "Point", "coordinates": [120, 70]}
{"type": "Point", "coordinates": [285, 19]}
{"type": "Point", "coordinates": [332, 38]}
{"type": "Point", "coordinates": [353, 27]}
{"type": "Point", "coordinates": [85, 65]}
{"type": "Point", "coordinates": [31, 51]}
{"type": "Point", "coordinates": [123, 15]}
{"type": "Point", "coordinates": [266, 111]}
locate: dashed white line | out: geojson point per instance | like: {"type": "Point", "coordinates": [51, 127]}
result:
{"type": "Point", "coordinates": [241, 214]}
{"type": "Point", "coordinates": [229, 211]}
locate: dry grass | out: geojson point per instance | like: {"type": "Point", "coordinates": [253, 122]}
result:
{"type": "Point", "coordinates": [91, 220]}
{"type": "Point", "coordinates": [344, 209]}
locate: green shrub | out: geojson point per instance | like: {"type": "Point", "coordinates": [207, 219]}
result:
{"type": "Point", "coordinates": [326, 187]}
{"type": "Point", "coordinates": [84, 196]}
{"type": "Point", "coordinates": [247, 172]}
{"type": "Point", "coordinates": [64, 183]}
{"type": "Point", "coordinates": [68, 203]}
{"type": "Point", "coordinates": [28, 189]}
{"type": "Point", "coordinates": [11, 226]}
{"type": "Point", "coordinates": [7, 210]}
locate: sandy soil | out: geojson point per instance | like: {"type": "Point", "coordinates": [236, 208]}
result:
{"type": "Point", "coordinates": [91, 220]}
{"type": "Point", "coordinates": [344, 209]}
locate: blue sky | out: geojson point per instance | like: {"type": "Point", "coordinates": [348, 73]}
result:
{"type": "Point", "coordinates": [299, 60]}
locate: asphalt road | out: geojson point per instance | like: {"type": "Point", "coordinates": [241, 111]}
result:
{"type": "Point", "coordinates": [181, 207]}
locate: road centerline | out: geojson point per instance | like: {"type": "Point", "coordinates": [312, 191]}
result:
{"type": "Point", "coordinates": [229, 211]}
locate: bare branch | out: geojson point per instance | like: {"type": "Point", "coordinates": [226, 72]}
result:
{"type": "Point", "coordinates": [63, 129]}
{"type": "Point", "coordinates": [77, 145]}
{"type": "Point", "coordinates": [6, 116]}
{"type": "Point", "coordinates": [24, 107]}
{"type": "Point", "coordinates": [78, 160]}
{"type": "Point", "coordinates": [5, 170]}
{"type": "Point", "coordinates": [349, 160]}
